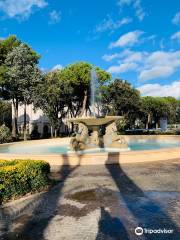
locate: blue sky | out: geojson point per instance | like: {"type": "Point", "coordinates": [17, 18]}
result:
{"type": "Point", "coordinates": [136, 40]}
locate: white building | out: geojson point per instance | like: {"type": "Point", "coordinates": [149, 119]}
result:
{"type": "Point", "coordinates": [34, 118]}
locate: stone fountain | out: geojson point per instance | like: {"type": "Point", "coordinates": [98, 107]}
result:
{"type": "Point", "coordinates": [90, 134]}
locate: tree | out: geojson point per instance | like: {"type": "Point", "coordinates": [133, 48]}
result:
{"type": "Point", "coordinates": [147, 108]}
{"type": "Point", "coordinates": [22, 77]}
{"type": "Point", "coordinates": [51, 95]}
{"type": "Point", "coordinates": [78, 77]}
{"type": "Point", "coordinates": [120, 98]}
{"type": "Point", "coordinates": [5, 113]}
{"type": "Point", "coordinates": [6, 46]}
{"type": "Point", "coordinates": [66, 92]}
{"type": "Point", "coordinates": [172, 108]}
{"type": "Point", "coordinates": [155, 108]}
{"type": "Point", "coordinates": [178, 112]}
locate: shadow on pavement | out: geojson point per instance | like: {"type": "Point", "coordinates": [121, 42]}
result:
{"type": "Point", "coordinates": [147, 213]}
{"type": "Point", "coordinates": [109, 227]}
{"type": "Point", "coordinates": [44, 211]}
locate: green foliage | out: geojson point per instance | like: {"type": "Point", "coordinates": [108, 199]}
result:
{"type": "Point", "coordinates": [5, 113]}
{"type": "Point", "coordinates": [120, 98]}
{"type": "Point", "coordinates": [78, 77]}
{"type": "Point", "coordinates": [154, 108]}
{"type": "Point", "coordinates": [22, 76]}
{"type": "Point", "coordinates": [19, 177]}
{"type": "Point", "coordinates": [6, 46]}
{"type": "Point", "coordinates": [66, 92]}
{"type": "Point", "coordinates": [23, 73]}
{"type": "Point", "coordinates": [178, 112]}
{"type": "Point", "coordinates": [121, 124]}
{"type": "Point", "coordinates": [150, 132]}
{"type": "Point", "coordinates": [5, 134]}
{"type": "Point", "coordinates": [51, 95]}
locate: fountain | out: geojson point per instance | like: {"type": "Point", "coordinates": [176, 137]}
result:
{"type": "Point", "coordinates": [89, 135]}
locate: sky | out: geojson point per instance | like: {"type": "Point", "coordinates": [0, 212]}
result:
{"type": "Point", "coordinates": [135, 40]}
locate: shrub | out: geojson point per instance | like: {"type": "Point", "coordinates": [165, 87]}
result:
{"type": "Point", "coordinates": [121, 124]}
{"type": "Point", "coordinates": [18, 177]}
{"type": "Point", "coordinates": [5, 134]}
{"type": "Point", "coordinates": [149, 132]}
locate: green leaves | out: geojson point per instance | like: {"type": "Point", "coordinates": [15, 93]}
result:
{"type": "Point", "coordinates": [160, 107]}
{"type": "Point", "coordinates": [22, 72]}
{"type": "Point", "coordinates": [5, 134]}
{"type": "Point", "coordinates": [19, 177]}
{"type": "Point", "coordinates": [120, 98]}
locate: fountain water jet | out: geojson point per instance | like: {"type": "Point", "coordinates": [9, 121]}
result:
{"type": "Point", "coordinates": [83, 140]}
{"type": "Point", "coordinates": [95, 93]}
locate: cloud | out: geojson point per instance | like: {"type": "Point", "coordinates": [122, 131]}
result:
{"type": "Point", "coordinates": [108, 24]}
{"type": "Point", "coordinates": [176, 19]}
{"type": "Point", "coordinates": [131, 56]}
{"type": "Point", "coordinates": [148, 65]}
{"type": "Point", "coordinates": [128, 39]}
{"type": "Point", "coordinates": [176, 36]}
{"type": "Point", "coordinates": [161, 90]}
{"type": "Point", "coordinates": [124, 67]}
{"type": "Point", "coordinates": [110, 57]}
{"type": "Point", "coordinates": [136, 4]}
{"type": "Point", "coordinates": [57, 67]}
{"type": "Point", "coordinates": [128, 61]}
{"type": "Point", "coordinates": [156, 72]}
{"type": "Point", "coordinates": [55, 17]}
{"type": "Point", "coordinates": [159, 64]}
{"type": "Point", "coordinates": [22, 8]}
{"type": "Point", "coordinates": [126, 56]}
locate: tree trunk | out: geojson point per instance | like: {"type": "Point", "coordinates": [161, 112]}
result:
{"type": "Point", "coordinates": [25, 125]}
{"type": "Point", "coordinates": [55, 133]}
{"type": "Point", "coordinates": [52, 132]}
{"type": "Point", "coordinates": [14, 120]}
{"type": "Point", "coordinates": [148, 121]}
{"type": "Point", "coordinates": [84, 103]}
{"type": "Point", "coordinates": [72, 127]}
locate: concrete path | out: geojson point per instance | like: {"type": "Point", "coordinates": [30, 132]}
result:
{"type": "Point", "coordinates": [100, 203]}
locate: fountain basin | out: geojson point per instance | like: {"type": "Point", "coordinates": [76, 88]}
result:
{"type": "Point", "coordinates": [56, 153]}
{"type": "Point", "coordinates": [95, 121]}
{"type": "Point", "coordinates": [97, 139]}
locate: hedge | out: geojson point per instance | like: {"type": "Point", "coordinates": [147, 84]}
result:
{"type": "Point", "coordinates": [5, 134]}
{"type": "Point", "coordinates": [18, 177]}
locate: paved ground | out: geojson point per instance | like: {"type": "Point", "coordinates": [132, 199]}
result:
{"type": "Point", "coordinates": [100, 203]}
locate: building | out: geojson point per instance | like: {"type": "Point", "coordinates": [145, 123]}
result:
{"type": "Point", "coordinates": [35, 118]}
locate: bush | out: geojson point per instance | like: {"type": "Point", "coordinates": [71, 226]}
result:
{"type": "Point", "coordinates": [18, 177]}
{"type": "Point", "coordinates": [5, 134]}
{"type": "Point", "coordinates": [149, 132]}
{"type": "Point", "coordinates": [121, 124]}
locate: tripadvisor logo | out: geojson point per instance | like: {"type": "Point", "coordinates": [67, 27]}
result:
{"type": "Point", "coordinates": [139, 231]}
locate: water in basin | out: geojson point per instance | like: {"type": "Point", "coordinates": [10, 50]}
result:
{"type": "Point", "coordinates": [46, 148]}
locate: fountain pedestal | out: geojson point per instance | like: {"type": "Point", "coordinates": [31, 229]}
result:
{"type": "Point", "coordinates": [94, 139]}
{"type": "Point", "coordinates": [83, 140]}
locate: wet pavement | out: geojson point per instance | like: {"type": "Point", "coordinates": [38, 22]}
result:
{"type": "Point", "coordinates": [103, 202]}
